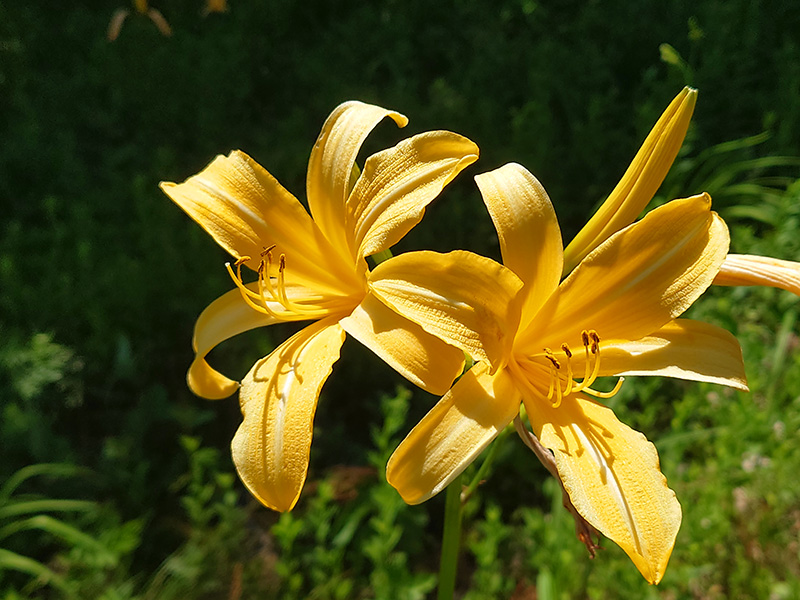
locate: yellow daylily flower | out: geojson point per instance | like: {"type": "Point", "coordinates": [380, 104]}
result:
{"type": "Point", "coordinates": [638, 186]}
{"type": "Point", "coordinates": [314, 269]}
{"type": "Point", "coordinates": [143, 8]}
{"type": "Point", "coordinates": [546, 345]}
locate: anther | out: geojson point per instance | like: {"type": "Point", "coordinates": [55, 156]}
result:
{"type": "Point", "coordinates": [566, 350]}
{"type": "Point", "coordinates": [549, 354]}
{"type": "Point", "coordinates": [595, 341]}
{"type": "Point", "coordinates": [267, 251]}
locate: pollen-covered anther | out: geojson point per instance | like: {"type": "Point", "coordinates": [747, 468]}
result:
{"type": "Point", "coordinates": [591, 345]}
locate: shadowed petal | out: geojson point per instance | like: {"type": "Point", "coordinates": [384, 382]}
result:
{"type": "Point", "coordinates": [748, 269]}
{"type": "Point", "coordinates": [530, 239]}
{"type": "Point", "coordinates": [640, 182]}
{"type": "Point", "coordinates": [453, 434]}
{"type": "Point", "coordinates": [613, 478]}
{"type": "Point", "coordinates": [465, 299]}
{"type": "Point", "coordinates": [636, 281]}
{"type": "Point", "coordinates": [397, 184]}
{"type": "Point", "coordinates": [278, 398]}
{"type": "Point", "coordinates": [330, 166]}
{"type": "Point", "coordinates": [418, 356]}
{"type": "Point", "coordinates": [246, 210]}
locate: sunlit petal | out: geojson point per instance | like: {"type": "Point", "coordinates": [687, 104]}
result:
{"type": "Point", "coordinates": [683, 348]}
{"type": "Point", "coordinates": [418, 356]}
{"type": "Point", "coordinates": [465, 299]}
{"type": "Point", "coordinates": [640, 182]}
{"type": "Point", "coordinates": [246, 210]}
{"type": "Point", "coordinates": [278, 398]}
{"type": "Point", "coordinates": [397, 184]}
{"type": "Point", "coordinates": [748, 269]}
{"type": "Point", "coordinates": [453, 434]}
{"type": "Point", "coordinates": [636, 281]}
{"type": "Point", "coordinates": [613, 478]}
{"type": "Point", "coordinates": [530, 238]}
{"type": "Point", "coordinates": [331, 164]}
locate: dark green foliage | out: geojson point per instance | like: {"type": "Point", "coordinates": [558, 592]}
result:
{"type": "Point", "coordinates": [101, 278]}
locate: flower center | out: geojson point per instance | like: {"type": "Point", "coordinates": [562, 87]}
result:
{"type": "Point", "coordinates": [271, 298]}
{"type": "Point", "coordinates": [560, 373]}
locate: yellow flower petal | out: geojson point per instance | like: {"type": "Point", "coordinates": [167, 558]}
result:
{"type": "Point", "coordinates": [453, 434]}
{"type": "Point", "coordinates": [683, 348]}
{"type": "Point", "coordinates": [246, 210]}
{"type": "Point", "coordinates": [613, 478]}
{"type": "Point", "coordinates": [464, 299]}
{"type": "Point", "coordinates": [278, 398]}
{"type": "Point", "coordinates": [418, 356]}
{"type": "Point", "coordinates": [636, 281]}
{"type": "Point", "coordinates": [530, 239]}
{"type": "Point", "coordinates": [640, 182]}
{"type": "Point", "coordinates": [332, 161]}
{"type": "Point", "coordinates": [748, 269]}
{"type": "Point", "coordinates": [397, 184]}
{"type": "Point", "coordinates": [230, 315]}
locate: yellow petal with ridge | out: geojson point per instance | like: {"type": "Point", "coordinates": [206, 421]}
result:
{"type": "Point", "coordinates": [613, 478]}
{"type": "Point", "coordinates": [331, 166]}
{"type": "Point", "coordinates": [246, 210]}
{"type": "Point", "coordinates": [683, 349]}
{"type": "Point", "coordinates": [749, 269]}
{"type": "Point", "coordinates": [453, 434]}
{"type": "Point", "coordinates": [640, 182]}
{"type": "Point", "coordinates": [278, 398]}
{"type": "Point", "coordinates": [636, 281]}
{"type": "Point", "coordinates": [530, 238]}
{"type": "Point", "coordinates": [418, 356]}
{"type": "Point", "coordinates": [396, 185]}
{"type": "Point", "coordinates": [464, 299]}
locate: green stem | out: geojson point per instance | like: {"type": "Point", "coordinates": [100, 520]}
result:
{"type": "Point", "coordinates": [484, 468]}
{"type": "Point", "coordinates": [381, 256]}
{"type": "Point", "coordinates": [451, 540]}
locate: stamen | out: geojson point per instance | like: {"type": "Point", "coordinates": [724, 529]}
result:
{"type": "Point", "coordinates": [247, 294]}
{"type": "Point", "coordinates": [608, 394]}
{"type": "Point", "coordinates": [570, 382]}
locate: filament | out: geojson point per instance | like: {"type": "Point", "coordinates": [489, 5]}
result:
{"type": "Point", "coordinates": [591, 349]}
{"type": "Point", "coordinates": [270, 290]}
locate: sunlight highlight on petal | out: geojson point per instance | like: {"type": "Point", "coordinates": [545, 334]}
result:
{"type": "Point", "coordinates": [278, 398]}
{"type": "Point", "coordinates": [453, 434]}
{"type": "Point", "coordinates": [397, 184]}
{"type": "Point", "coordinates": [613, 478]}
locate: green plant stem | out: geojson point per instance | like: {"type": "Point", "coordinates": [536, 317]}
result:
{"type": "Point", "coordinates": [484, 468]}
{"type": "Point", "coordinates": [451, 540]}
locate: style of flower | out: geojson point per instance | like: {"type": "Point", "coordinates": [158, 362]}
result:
{"type": "Point", "coordinates": [544, 344]}
{"type": "Point", "coordinates": [314, 269]}
{"type": "Point", "coordinates": [639, 184]}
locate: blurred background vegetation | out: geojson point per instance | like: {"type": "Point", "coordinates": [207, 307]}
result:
{"type": "Point", "coordinates": [117, 483]}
